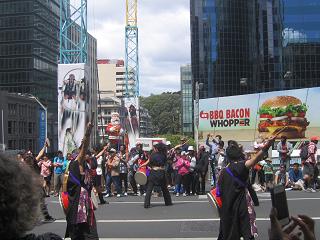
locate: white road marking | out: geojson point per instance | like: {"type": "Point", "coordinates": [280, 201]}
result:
{"type": "Point", "coordinates": [168, 220]}
{"type": "Point", "coordinates": [201, 201]}
{"type": "Point", "coordinates": [155, 238]}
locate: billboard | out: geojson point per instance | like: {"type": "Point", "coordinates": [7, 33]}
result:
{"type": "Point", "coordinates": [73, 105]}
{"type": "Point", "coordinates": [132, 119]}
{"type": "Point", "coordinates": [245, 117]}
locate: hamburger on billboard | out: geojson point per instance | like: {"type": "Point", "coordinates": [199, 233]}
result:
{"type": "Point", "coordinates": [283, 111]}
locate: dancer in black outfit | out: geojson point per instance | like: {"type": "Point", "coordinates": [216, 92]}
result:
{"type": "Point", "coordinates": [157, 175]}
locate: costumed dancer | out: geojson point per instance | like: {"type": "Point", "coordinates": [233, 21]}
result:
{"type": "Point", "coordinates": [81, 221]}
{"type": "Point", "coordinates": [157, 175]}
{"type": "Point", "coordinates": [237, 215]}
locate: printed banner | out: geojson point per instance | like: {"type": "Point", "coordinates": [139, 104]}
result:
{"type": "Point", "coordinates": [42, 128]}
{"type": "Point", "coordinates": [245, 117]}
{"type": "Point", "coordinates": [132, 120]}
{"type": "Point", "coordinates": [73, 105]}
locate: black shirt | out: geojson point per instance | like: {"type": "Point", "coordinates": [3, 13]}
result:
{"type": "Point", "coordinates": [158, 159]}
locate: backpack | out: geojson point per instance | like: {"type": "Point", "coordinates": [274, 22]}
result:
{"type": "Point", "coordinates": [304, 154]}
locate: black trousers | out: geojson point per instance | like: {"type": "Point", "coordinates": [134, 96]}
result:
{"type": "Point", "coordinates": [194, 179]}
{"type": "Point", "coordinates": [202, 182]}
{"type": "Point", "coordinates": [185, 180]}
{"type": "Point", "coordinates": [124, 179]}
{"type": "Point", "coordinates": [157, 178]}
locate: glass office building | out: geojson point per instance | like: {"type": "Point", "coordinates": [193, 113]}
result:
{"type": "Point", "coordinates": [187, 100]}
{"type": "Point", "coordinates": [236, 46]}
{"type": "Point", "coordinates": [301, 43]}
{"type": "Point", "coordinates": [29, 49]}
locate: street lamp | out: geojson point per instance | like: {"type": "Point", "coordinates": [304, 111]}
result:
{"type": "Point", "coordinates": [196, 113]}
{"type": "Point", "coordinates": [45, 110]}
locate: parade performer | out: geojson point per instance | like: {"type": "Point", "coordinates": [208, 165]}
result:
{"type": "Point", "coordinates": [114, 130]}
{"type": "Point", "coordinates": [157, 175]}
{"type": "Point", "coordinates": [81, 221]}
{"type": "Point", "coordinates": [237, 215]}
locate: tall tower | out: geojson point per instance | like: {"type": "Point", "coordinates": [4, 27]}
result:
{"type": "Point", "coordinates": [132, 53]}
{"type": "Point", "coordinates": [73, 19]}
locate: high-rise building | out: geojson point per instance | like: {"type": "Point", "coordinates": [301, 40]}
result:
{"type": "Point", "coordinates": [112, 76]}
{"type": "Point", "coordinates": [187, 100]}
{"type": "Point", "coordinates": [301, 43]}
{"type": "Point", "coordinates": [29, 50]}
{"type": "Point", "coordinates": [249, 46]}
{"type": "Point", "coordinates": [236, 46]}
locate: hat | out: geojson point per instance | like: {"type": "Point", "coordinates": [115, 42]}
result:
{"type": "Point", "coordinates": [183, 153]}
{"type": "Point", "coordinates": [268, 159]}
{"type": "Point", "coordinates": [112, 150]}
{"type": "Point", "coordinates": [183, 139]}
{"type": "Point", "coordinates": [190, 148]}
{"type": "Point", "coordinates": [168, 143]}
{"type": "Point", "coordinates": [139, 143]}
{"type": "Point", "coordinates": [314, 138]}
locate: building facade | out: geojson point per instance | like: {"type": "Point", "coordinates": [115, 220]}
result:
{"type": "Point", "coordinates": [146, 129]}
{"type": "Point", "coordinates": [301, 43]}
{"type": "Point", "coordinates": [29, 50]}
{"type": "Point", "coordinates": [236, 46]}
{"type": "Point", "coordinates": [249, 46]}
{"type": "Point", "coordinates": [112, 76]}
{"type": "Point", "coordinates": [20, 115]}
{"type": "Point", "coordinates": [186, 99]}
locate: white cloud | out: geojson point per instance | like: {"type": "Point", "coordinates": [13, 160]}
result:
{"type": "Point", "coordinates": [164, 38]}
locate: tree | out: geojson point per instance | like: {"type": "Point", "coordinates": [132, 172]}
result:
{"type": "Point", "coordinates": [165, 112]}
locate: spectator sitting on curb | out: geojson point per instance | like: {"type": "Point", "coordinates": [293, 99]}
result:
{"type": "Point", "coordinates": [295, 177]}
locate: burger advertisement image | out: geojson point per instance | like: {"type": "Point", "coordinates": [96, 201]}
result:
{"type": "Point", "coordinates": [293, 113]}
{"type": "Point", "coordinates": [283, 112]}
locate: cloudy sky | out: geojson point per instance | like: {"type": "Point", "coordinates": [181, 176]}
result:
{"type": "Point", "coordinates": [164, 38]}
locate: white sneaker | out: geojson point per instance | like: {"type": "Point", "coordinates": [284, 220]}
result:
{"type": "Point", "coordinates": [177, 194]}
{"type": "Point", "coordinates": [118, 195]}
{"type": "Point", "coordinates": [184, 194]}
{"type": "Point", "coordinates": [312, 190]}
{"type": "Point", "coordinates": [126, 194]}
{"type": "Point", "coordinates": [139, 194]}
{"type": "Point", "coordinates": [144, 194]}
{"type": "Point", "coordinates": [108, 195]}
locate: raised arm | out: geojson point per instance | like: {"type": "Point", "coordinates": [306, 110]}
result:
{"type": "Point", "coordinates": [85, 144]}
{"type": "Point", "coordinates": [42, 151]}
{"type": "Point", "coordinates": [102, 151]}
{"type": "Point", "coordinates": [259, 156]}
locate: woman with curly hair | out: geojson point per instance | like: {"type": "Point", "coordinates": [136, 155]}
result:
{"type": "Point", "coordinates": [19, 201]}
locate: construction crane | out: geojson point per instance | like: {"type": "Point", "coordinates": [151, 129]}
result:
{"type": "Point", "coordinates": [73, 32]}
{"type": "Point", "coordinates": [132, 53]}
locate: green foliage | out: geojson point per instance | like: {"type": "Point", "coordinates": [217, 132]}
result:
{"type": "Point", "coordinates": [165, 112]}
{"type": "Point", "coordinates": [175, 139]}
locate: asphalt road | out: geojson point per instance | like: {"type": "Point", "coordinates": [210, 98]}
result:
{"type": "Point", "coordinates": [189, 217]}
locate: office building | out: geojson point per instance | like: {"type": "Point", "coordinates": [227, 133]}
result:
{"type": "Point", "coordinates": [29, 49]}
{"type": "Point", "coordinates": [186, 99]}
{"type": "Point", "coordinates": [112, 76]}
{"type": "Point", "coordinates": [236, 46]}
{"type": "Point", "coordinates": [146, 129]}
{"type": "Point", "coordinates": [301, 43]}
{"type": "Point", "coordinates": [21, 115]}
